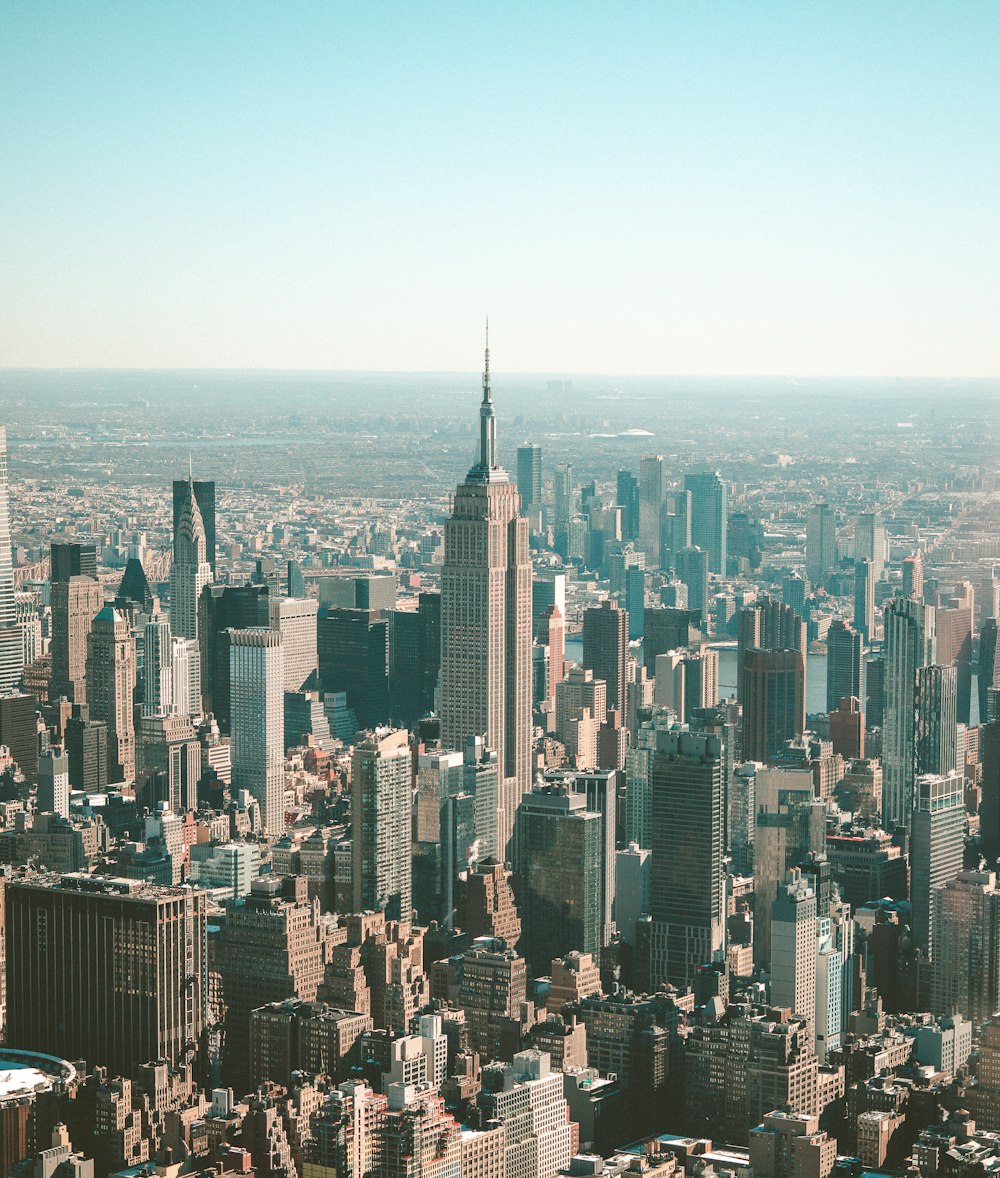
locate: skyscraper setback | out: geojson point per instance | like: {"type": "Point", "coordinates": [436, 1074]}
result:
{"type": "Point", "coordinates": [486, 620]}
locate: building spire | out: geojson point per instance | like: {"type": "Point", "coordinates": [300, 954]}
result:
{"type": "Point", "coordinates": [190, 468]}
{"type": "Point", "coordinates": [487, 418]}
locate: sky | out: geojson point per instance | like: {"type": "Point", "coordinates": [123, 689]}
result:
{"type": "Point", "coordinates": [755, 187]}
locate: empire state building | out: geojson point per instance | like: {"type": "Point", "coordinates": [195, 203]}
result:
{"type": "Point", "coordinates": [486, 621]}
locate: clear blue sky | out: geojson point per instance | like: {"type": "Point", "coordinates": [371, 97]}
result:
{"type": "Point", "coordinates": [664, 187]}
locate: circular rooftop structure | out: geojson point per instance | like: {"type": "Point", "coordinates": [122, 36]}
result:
{"type": "Point", "coordinates": [27, 1074]}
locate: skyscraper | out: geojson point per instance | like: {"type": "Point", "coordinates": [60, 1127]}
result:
{"type": "Point", "coordinates": [935, 724]}
{"type": "Point", "coordinates": [605, 649]}
{"type": "Point", "coordinates": [793, 946]}
{"type": "Point", "coordinates": [204, 494]}
{"type": "Point", "coordinates": [295, 619]}
{"type": "Point", "coordinates": [650, 503]}
{"type": "Point", "coordinates": [869, 542]}
{"type": "Point", "coordinates": [11, 644]}
{"type": "Point", "coordinates": [353, 652]}
{"type": "Point", "coordinates": [226, 608]}
{"type": "Point", "coordinates": [561, 860]}
{"type": "Point", "coordinates": [709, 516]}
{"type": "Point", "coordinates": [909, 643]}
{"type": "Point", "coordinates": [772, 687]}
{"type": "Point", "coordinates": [627, 498]}
{"type": "Point", "coordinates": [529, 481]}
{"type": "Point", "coordinates": [257, 675]}
{"type": "Point", "coordinates": [692, 569]}
{"type": "Point", "coordinates": [191, 570]}
{"type": "Point", "coordinates": [913, 577]}
{"type": "Point", "coordinates": [53, 782]}
{"type": "Point", "coordinates": [157, 668]}
{"type": "Point", "coordinates": [486, 620]}
{"type": "Point", "coordinates": [864, 599]}
{"type": "Point", "coordinates": [966, 974]}
{"type": "Point", "coordinates": [381, 804]}
{"type": "Point", "coordinates": [843, 664]}
{"type": "Point", "coordinates": [111, 674]}
{"type": "Point", "coordinates": [107, 970]}
{"type": "Point", "coordinates": [821, 543]}
{"type": "Point", "coordinates": [688, 905]}
{"type": "Point", "coordinates": [936, 843]}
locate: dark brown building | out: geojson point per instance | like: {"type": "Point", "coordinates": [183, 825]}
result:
{"type": "Point", "coordinates": [111, 971]}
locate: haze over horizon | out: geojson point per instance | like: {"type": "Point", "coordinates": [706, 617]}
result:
{"type": "Point", "coordinates": [774, 189]}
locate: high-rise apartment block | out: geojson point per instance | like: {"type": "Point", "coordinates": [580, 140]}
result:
{"type": "Point", "coordinates": [381, 803]}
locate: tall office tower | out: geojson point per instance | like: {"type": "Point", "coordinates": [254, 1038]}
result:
{"type": "Point", "coordinates": [272, 946]}
{"type": "Point", "coordinates": [76, 599]}
{"type": "Point", "coordinates": [847, 729]}
{"type": "Point", "coordinates": [675, 526]}
{"type": "Point", "coordinates": [768, 624]}
{"type": "Point", "coordinates": [257, 675]}
{"type": "Point", "coordinates": [913, 577]}
{"type": "Point", "coordinates": [605, 650]}
{"type": "Point", "coordinates": [529, 482]}
{"type": "Point", "coordinates": [666, 629]}
{"type": "Point", "coordinates": [111, 674]}
{"type": "Point", "coordinates": [185, 679]}
{"type": "Point", "coordinates": [635, 600]}
{"type": "Point", "coordinates": [869, 542]}
{"type": "Point", "coordinates": [600, 788]}
{"type": "Point", "coordinates": [627, 498]}
{"type": "Point", "coordinates": [486, 620]}
{"type": "Point", "coordinates": [107, 970]}
{"type": "Point", "coordinates": [709, 516]}
{"type": "Point", "coordinates": [935, 726]}
{"type": "Point", "coordinates": [191, 570]}
{"type": "Point", "coordinates": [864, 599]}
{"type": "Point", "coordinates": [353, 649]}
{"type": "Point", "coordinates": [204, 497]}
{"type": "Point", "coordinates": [874, 708]}
{"type": "Point", "coordinates": [988, 671]}
{"type": "Point", "coordinates": [909, 643]}
{"type": "Point", "coordinates": [53, 783]}
{"type": "Point", "coordinates": [19, 731]}
{"type": "Point", "coordinates": [793, 592]}
{"type": "Point", "coordinates": [225, 608]}
{"type": "Point", "coordinates": [414, 659]}
{"type": "Point", "coordinates": [87, 749]}
{"type": "Point", "coordinates": [772, 688]}
{"type": "Point", "coordinates": [789, 829]}
{"type": "Point", "coordinates": [381, 803]}
{"type": "Point", "coordinates": [564, 496]}
{"type": "Point", "coordinates": [295, 620]}
{"type": "Point", "coordinates": [11, 642]}
{"type": "Point", "coordinates": [966, 975]}
{"type": "Point", "coordinates": [821, 543]}
{"type": "Point", "coordinates": [546, 591]}
{"type": "Point", "coordinates": [793, 946]}
{"type": "Point", "coordinates": [560, 858]}
{"type": "Point", "coordinates": [989, 807]}
{"type": "Point", "coordinates": [688, 902]}
{"type": "Point", "coordinates": [937, 838]}
{"type": "Point", "coordinates": [843, 663]}
{"type": "Point", "coordinates": [157, 668]}
{"type": "Point", "coordinates": [953, 624]}
{"type": "Point", "coordinates": [692, 569]}
{"type": "Point", "coordinates": [650, 504]}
